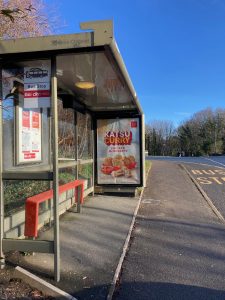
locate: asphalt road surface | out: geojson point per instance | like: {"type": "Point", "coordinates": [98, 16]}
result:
{"type": "Point", "coordinates": [209, 173]}
{"type": "Point", "coordinates": [177, 251]}
{"type": "Point", "coordinates": [211, 160]}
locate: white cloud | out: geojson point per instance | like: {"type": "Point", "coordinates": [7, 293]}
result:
{"type": "Point", "coordinates": [182, 113]}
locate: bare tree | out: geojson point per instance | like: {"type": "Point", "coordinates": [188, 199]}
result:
{"type": "Point", "coordinates": [160, 137]}
{"type": "Point", "coordinates": [23, 18]}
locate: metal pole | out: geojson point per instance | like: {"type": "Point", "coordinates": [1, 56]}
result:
{"type": "Point", "coordinates": [92, 125]}
{"type": "Point", "coordinates": [143, 148]}
{"type": "Point", "coordinates": [2, 257]}
{"type": "Point", "coordinates": [50, 201]}
{"type": "Point", "coordinates": [76, 144]}
{"type": "Point", "coordinates": [55, 170]}
{"type": "Point", "coordinates": [78, 198]}
{"type": "Point", "coordinates": [93, 154]}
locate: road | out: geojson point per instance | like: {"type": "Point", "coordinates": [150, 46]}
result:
{"type": "Point", "coordinates": [177, 246]}
{"type": "Point", "coordinates": [209, 173]}
{"type": "Point", "coordinates": [211, 160]}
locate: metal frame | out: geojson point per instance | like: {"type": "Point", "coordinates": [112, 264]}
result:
{"type": "Point", "coordinates": [2, 256]}
{"type": "Point", "coordinates": [120, 116]}
{"type": "Point", "coordinates": [143, 148]}
{"type": "Point", "coordinates": [89, 160]}
{"type": "Point", "coordinates": [36, 246]}
{"type": "Point", "coordinates": [99, 39]}
{"type": "Point", "coordinates": [22, 168]}
{"type": "Point", "coordinates": [27, 176]}
{"type": "Point", "coordinates": [28, 245]}
{"type": "Point", "coordinates": [55, 169]}
{"type": "Point", "coordinates": [76, 144]}
{"type": "Point", "coordinates": [93, 152]}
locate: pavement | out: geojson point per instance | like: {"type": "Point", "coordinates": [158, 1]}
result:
{"type": "Point", "coordinates": [177, 249]}
{"type": "Point", "coordinates": [91, 246]}
{"type": "Point", "coordinates": [178, 244]}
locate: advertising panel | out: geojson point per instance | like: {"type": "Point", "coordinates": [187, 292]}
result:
{"type": "Point", "coordinates": [118, 151]}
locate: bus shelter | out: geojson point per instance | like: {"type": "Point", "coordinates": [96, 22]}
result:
{"type": "Point", "coordinates": [68, 112]}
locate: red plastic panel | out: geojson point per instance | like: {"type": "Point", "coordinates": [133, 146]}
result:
{"type": "Point", "coordinates": [32, 205]}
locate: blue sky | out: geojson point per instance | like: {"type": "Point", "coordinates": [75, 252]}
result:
{"type": "Point", "coordinates": [174, 50]}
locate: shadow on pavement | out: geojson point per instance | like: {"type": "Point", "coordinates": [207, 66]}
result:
{"type": "Point", "coordinates": [164, 290]}
{"type": "Point", "coordinates": [174, 259]}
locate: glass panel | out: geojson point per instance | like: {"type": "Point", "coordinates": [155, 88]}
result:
{"type": "Point", "coordinates": [26, 104]}
{"type": "Point", "coordinates": [85, 172]}
{"type": "Point", "coordinates": [67, 175]}
{"type": "Point", "coordinates": [66, 125]}
{"type": "Point", "coordinates": [93, 80]}
{"type": "Point", "coordinates": [16, 192]}
{"type": "Point", "coordinates": [85, 141]}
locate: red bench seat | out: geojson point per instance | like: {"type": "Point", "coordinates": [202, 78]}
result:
{"type": "Point", "coordinates": [32, 205]}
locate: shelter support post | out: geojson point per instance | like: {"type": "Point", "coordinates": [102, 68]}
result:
{"type": "Point", "coordinates": [55, 170]}
{"type": "Point", "coordinates": [143, 148]}
{"type": "Point", "coordinates": [93, 153]}
{"type": "Point", "coordinates": [76, 145]}
{"type": "Point", "coordinates": [2, 257]}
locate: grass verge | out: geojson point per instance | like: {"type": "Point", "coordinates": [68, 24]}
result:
{"type": "Point", "coordinates": [148, 165]}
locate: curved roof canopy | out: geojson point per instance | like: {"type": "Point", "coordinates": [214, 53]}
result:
{"type": "Point", "coordinates": [90, 69]}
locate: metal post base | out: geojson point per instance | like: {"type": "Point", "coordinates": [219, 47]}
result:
{"type": "Point", "coordinates": [2, 263]}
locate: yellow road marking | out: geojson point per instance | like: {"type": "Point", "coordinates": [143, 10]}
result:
{"type": "Point", "coordinates": [218, 179]}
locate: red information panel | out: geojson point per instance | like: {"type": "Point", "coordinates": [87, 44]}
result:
{"type": "Point", "coordinates": [26, 119]}
{"type": "Point", "coordinates": [36, 120]}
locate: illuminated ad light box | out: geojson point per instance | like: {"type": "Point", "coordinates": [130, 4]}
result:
{"type": "Point", "coordinates": [118, 151]}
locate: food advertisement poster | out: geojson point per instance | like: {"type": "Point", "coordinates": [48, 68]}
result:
{"type": "Point", "coordinates": [29, 139]}
{"type": "Point", "coordinates": [118, 151]}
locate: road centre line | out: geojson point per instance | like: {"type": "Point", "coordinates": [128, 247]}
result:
{"type": "Point", "coordinates": [181, 161]}
{"type": "Point", "coordinates": [201, 164]}
{"type": "Point", "coordinates": [214, 161]}
{"type": "Point", "coordinates": [195, 163]}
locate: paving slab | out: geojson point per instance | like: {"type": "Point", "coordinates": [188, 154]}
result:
{"type": "Point", "coordinates": [178, 245]}
{"type": "Point", "coordinates": [91, 245]}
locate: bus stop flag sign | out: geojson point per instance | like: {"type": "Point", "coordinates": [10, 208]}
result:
{"type": "Point", "coordinates": [37, 87]}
